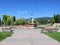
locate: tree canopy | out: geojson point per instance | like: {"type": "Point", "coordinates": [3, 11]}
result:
{"type": "Point", "coordinates": [14, 18]}
{"type": "Point", "coordinates": [7, 20]}
{"type": "Point", "coordinates": [21, 21]}
{"type": "Point", "coordinates": [11, 20]}
{"type": "Point", "coordinates": [43, 21]}
{"type": "Point", "coordinates": [57, 18]}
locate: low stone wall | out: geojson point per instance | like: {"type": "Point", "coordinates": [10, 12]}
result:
{"type": "Point", "coordinates": [56, 24]}
{"type": "Point", "coordinates": [25, 27]}
{"type": "Point", "coordinates": [49, 29]}
{"type": "Point", "coordinates": [5, 29]}
{"type": "Point", "coordinates": [0, 29]}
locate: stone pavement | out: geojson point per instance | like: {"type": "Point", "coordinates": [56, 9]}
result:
{"type": "Point", "coordinates": [29, 37]}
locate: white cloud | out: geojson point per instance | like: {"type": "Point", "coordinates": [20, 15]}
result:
{"type": "Point", "coordinates": [21, 12]}
{"type": "Point", "coordinates": [0, 9]}
{"type": "Point", "coordinates": [44, 9]}
{"type": "Point", "coordinates": [25, 11]}
{"type": "Point", "coordinates": [18, 11]}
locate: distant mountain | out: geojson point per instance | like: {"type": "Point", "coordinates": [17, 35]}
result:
{"type": "Point", "coordinates": [27, 19]}
{"type": "Point", "coordinates": [47, 18]}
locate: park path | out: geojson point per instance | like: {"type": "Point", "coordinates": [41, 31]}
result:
{"type": "Point", "coordinates": [29, 37]}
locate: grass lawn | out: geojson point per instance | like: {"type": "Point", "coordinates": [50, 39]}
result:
{"type": "Point", "coordinates": [55, 35]}
{"type": "Point", "coordinates": [3, 35]}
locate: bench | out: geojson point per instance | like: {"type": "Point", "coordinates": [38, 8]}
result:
{"type": "Point", "coordinates": [44, 29]}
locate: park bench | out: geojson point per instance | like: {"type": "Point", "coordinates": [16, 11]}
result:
{"type": "Point", "coordinates": [49, 29]}
{"type": "Point", "coordinates": [6, 29]}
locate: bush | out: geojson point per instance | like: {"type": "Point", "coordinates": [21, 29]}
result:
{"type": "Point", "coordinates": [21, 21]}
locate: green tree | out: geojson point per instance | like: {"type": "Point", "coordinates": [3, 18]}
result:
{"type": "Point", "coordinates": [21, 21]}
{"type": "Point", "coordinates": [10, 21]}
{"type": "Point", "coordinates": [14, 18]}
{"type": "Point", "coordinates": [52, 20]}
{"type": "Point", "coordinates": [7, 20]}
{"type": "Point", "coordinates": [0, 21]}
{"type": "Point", "coordinates": [43, 21]}
{"type": "Point", "coordinates": [4, 19]}
{"type": "Point", "coordinates": [57, 18]}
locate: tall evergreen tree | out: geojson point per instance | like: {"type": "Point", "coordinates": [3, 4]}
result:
{"type": "Point", "coordinates": [14, 18]}
{"type": "Point", "coordinates": [0, 21]}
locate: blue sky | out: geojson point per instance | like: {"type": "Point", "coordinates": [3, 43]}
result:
{"type": "Point", "coordinates": [24, 8]}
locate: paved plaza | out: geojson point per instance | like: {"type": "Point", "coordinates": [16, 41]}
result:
{"type": "Point", "coordinates": [29, 37]}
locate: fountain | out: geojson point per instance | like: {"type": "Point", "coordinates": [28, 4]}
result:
{"type": "Point", "coordinates": [31, 23]}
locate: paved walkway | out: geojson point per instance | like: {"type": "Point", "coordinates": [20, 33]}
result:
{"type": "Point", "coordinates": [29, 37]}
